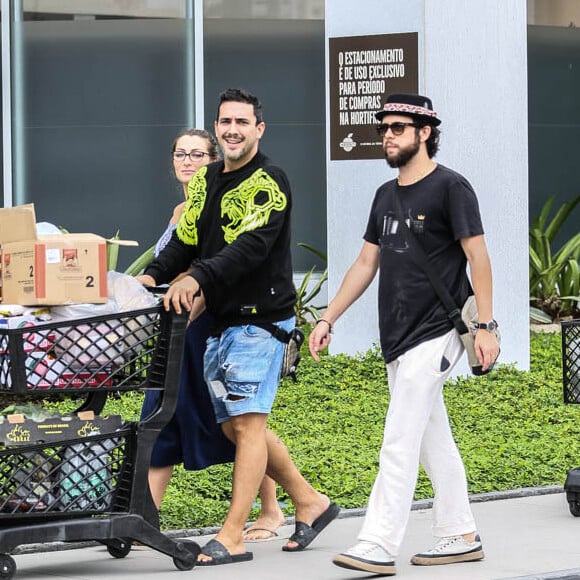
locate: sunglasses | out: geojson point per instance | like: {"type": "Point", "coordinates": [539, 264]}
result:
{"type": "Point", "coordinates": [396, 128]}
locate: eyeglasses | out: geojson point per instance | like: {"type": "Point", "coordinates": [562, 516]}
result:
{"type": "Point", "coordinates": [194, 155]}
{"type": "Point", "coordinates": [396, 128]}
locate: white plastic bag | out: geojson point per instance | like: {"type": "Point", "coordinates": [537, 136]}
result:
{"type": "Point", "coordinates": [128, 293]}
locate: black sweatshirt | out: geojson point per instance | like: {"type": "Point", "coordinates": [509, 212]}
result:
{"type": "Point", "coordinates": [236, 231]}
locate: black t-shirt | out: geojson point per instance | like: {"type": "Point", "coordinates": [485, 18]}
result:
{"type": "Point", "coordinates": [441, 209]}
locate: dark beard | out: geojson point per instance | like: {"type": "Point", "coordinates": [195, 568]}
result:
{"type": "Point", "coordinates": [404, 155]}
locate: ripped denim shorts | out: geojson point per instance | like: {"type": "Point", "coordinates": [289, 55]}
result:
{"type": "Point", "coordinates": [242, 369]}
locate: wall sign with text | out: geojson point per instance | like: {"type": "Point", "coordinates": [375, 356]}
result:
{"type": "Point", "coordinates": [364, 70]}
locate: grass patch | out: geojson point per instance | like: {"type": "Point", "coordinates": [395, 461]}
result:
{"type": "Point", "coordinates": [512, 428]}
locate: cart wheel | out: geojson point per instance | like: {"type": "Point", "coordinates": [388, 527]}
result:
{"type": "Point", "coordinates": [120, 548]}
{"type": "Point", "coordinates": [191, 551]}
{"type": "Point", "coordinates": [574, 508]}
{"type": "Point", "coordinates": [7, 566]}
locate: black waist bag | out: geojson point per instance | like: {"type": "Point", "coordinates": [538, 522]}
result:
{"type": "Point", "coordinates": [293, 340]}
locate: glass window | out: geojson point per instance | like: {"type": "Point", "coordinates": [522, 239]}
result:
{"type": "Point", "coordinates": [99, 93]}
{"type": "Point", "coordinates": [553, 112]}
{"type": "Point", "coordinates": [4, 188]}
{"type": "Point", "coordinates": [100, 88]}
{"type": "Point", "coordinates": [554, 13]}
{"type": "Point", "coordinates": [275, 49]}
{"type": "Point", "coordinates": [264, 9]}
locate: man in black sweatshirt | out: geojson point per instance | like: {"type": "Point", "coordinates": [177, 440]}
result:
{"type": "Point", "coordinates": [236, 231]}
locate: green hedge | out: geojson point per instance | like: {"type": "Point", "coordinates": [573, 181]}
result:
{"type": "Point", "coordinates": [511, 426]}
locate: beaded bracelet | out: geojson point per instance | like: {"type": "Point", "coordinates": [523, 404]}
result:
{"type": "Point", "coordinates": [329, 325]}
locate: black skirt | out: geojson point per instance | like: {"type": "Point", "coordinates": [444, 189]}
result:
{"type": "Point", "coordinates": [192, 436]}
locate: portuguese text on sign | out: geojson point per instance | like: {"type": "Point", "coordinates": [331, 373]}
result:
{"type": "Point", "coordinates": [362, 77]}
{"type": "Point", "coordinates": [364, 70]}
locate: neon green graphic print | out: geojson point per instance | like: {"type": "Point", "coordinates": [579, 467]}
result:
{"type": "Point", "coordinates": [246, 210]}
{"type": "Point", "coordinates": [196, 194]}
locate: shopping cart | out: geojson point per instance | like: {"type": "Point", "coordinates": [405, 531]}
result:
{"type": "Point", "coordinates": [87, 480]}
{"type": "Point", "coordinates": [571, 379]}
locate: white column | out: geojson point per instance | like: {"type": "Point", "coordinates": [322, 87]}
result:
{"type": "Point", "coordinates": [472, 63]}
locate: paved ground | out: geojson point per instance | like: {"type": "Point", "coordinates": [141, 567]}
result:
{"type": "Point", "coordinates": [530, 535]}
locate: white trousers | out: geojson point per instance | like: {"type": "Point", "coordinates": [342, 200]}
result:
{"type": "Point", "coordinates": [417, 431]}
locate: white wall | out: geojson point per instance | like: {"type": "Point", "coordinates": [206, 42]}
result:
{"type": "Point", "coordinates": [473, 65]}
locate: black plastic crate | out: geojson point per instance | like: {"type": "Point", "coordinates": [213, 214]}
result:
{"type": "Point", "coordinates": [116, 352]}
{"type": "Point", "coordinates": [84, 476]}
{"type": "Point", "coordinates": [71, 488]}
{"type": "Point", "coordinates": [571, 360]}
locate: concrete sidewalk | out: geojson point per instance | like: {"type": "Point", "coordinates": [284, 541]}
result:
{"type": "Point", "coordinates": [533, 536]}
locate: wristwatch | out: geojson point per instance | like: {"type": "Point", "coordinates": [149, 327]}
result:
{"type": "Point", "coordinates": [489, 326]}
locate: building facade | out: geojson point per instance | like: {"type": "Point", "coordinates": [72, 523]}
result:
{"type": "Point", "coordinates": [94, 92]}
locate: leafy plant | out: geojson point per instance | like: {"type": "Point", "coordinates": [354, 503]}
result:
{"type": "Point", "coordinates": [554, 275]}
{"type": "Point", "coordinates": [113, 253]}
{"type": "Point", "coordinates": [141, 262]}
{"type": "Point", "coordinates": [305, 293]}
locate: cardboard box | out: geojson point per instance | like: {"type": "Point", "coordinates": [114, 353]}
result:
{"type": "Point", "coordinates": [17, 430]}
{"type": "Point", "coordinates": [18, 223]}
{"type": "Point", "coordinates": [51, 269]}
{"type": "Point", "coordinates": [55, 269]}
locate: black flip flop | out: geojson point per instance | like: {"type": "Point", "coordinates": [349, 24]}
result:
{"type": "Point", "coordinates": [304, 534]}
{"type": "Point", "coordinates": [219, 555]}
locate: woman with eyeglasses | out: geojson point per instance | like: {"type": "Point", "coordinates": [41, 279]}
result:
{"type": "Point", "coordinates": [192, 149]}
{"type": "Point", "coordinates": [192, 436]}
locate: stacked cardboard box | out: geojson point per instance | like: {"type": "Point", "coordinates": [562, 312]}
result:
{"type": "Point", "coordinates": [50, 269]}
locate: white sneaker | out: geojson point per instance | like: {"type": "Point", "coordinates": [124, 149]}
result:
{"type": "Point", "coordinates": [449, 551]}
{"type": "Point", "coordinates": [367, 557]}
